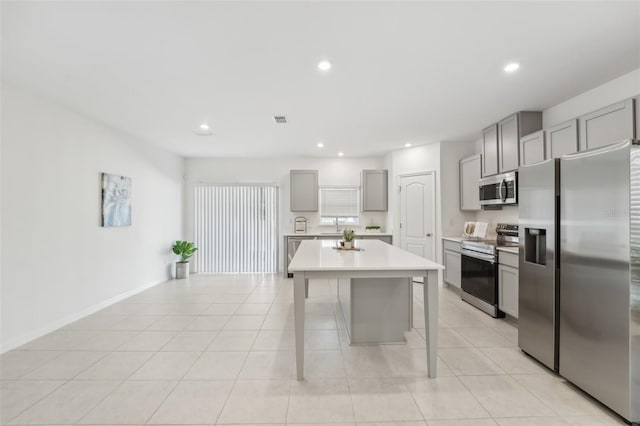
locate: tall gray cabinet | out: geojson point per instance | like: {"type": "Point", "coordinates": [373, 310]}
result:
{"type": "Point", "coordinates": [490, 150]}
{"type": "Point", "coordinates": [304, 190]}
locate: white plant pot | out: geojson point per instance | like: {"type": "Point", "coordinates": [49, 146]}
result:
{"type": "Point", "coordinates": [182, 270]}
{"type": "Point", "coordinates": [348, 245]}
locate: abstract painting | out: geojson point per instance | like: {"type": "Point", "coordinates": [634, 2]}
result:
{"type": "Point", "coordinates": [116, 200]}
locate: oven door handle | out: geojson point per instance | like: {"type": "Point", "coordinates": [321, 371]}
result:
{"type": "Point", "coordinates": [481, 256]}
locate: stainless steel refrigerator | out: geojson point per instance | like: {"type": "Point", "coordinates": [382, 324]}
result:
{"type": "Point", "coordinates": [600, 274]}
{"type": "Point", "coordinates": [539, 261]}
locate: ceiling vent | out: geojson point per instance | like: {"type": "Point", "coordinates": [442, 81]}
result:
{"type": "Point", "coordinates": [280, 119]}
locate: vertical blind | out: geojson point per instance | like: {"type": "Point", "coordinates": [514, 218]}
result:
{"type": "Point", "coordinates": [236, 228]}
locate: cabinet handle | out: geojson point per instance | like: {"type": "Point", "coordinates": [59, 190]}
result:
{"type": "Point", "coordinates": [429, 234]}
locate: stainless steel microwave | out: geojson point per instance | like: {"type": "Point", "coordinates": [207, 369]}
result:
{"type": "Point", "coordinates": [499, 190]}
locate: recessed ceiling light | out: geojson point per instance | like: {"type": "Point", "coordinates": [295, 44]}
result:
{"type": "Point", "coordinates": [203, 130]}
{"type": "Point", "coordinates": [324, 65]}
{"type": "Point", "coordinates": [320, 145]}
{"type": "Point", "coordinates": [408, 145]}
{"type": "Point", "coordinates": [340, 154]}
{"type": "Point", "coordinates": [513, 66]}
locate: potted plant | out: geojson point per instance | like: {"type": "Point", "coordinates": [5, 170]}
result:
{"type": "Point", "coordinates": [347, 236]}
{"type": "Point", "coordinates": [372, 228]}
{"type": "Point", "coordinates": [185, 250]}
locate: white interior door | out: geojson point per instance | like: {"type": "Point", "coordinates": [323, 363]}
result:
{"type": "Point", "coordinates": [417, 214]}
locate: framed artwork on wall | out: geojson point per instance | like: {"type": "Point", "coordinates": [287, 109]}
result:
{"type": "Point", "coordinates": [116, 200]}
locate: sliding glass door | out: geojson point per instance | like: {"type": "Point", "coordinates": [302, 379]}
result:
{"type": "Point", "coordinates": [236, 228]}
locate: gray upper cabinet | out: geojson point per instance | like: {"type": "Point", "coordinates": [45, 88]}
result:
{"type": "Point", "coordinates": [501, 141]}
{"type": "Point", "coordinates": [508, 136]}
{"type": "Point", "coordinates": [607, 125]}
{"type": "Point", "coordinates": [490, 150]}
{"type": "Point", "coordinates": [375, 190]}
{"type": "Point", "coordinates": [561, 139]}
{"type": "Point", "coordinates": [532, 148]}
{"type": "Point", "coordinates": [470, 173]}
{"type": "Point", "coordinates": [510, 130]}
{"type": "Point", "coordinates": [304, 190]}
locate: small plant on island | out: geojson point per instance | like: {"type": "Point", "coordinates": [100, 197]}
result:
{"type": "Point", "coordinates": [372, 227]}
{"type": "Point", "coordinates": [348, 236]}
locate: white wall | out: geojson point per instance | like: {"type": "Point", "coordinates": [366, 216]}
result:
{"type": "Point", "coordinates": [58, 263]}
{"type": "Point", "coordinates": [624, 87]}
{"type": "Point", "coordinates": [331, 171]}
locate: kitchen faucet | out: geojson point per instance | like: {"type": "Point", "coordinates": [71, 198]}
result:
{"type": "Point", "coordinates": [337, 227]}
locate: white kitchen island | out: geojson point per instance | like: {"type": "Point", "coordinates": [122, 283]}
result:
{"type": "Point", "coordinates": [317, 259]}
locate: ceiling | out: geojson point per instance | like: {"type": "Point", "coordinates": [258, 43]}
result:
{"type": "Point", "coordinates": [415, 72]}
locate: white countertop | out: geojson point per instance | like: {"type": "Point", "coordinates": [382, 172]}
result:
{"type": "Point", "coordinates": [338, 234]}
{"type": "Point", "coordinates": [454, 239]}
{"type": "Point", "coordinates": [513, 250]}
{"type": "Point", "coordinates": [318, 255]}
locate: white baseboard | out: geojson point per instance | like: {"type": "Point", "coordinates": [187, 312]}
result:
{"type": "Point", "coordinates": [26, 338]}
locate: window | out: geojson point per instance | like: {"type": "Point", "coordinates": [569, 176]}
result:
{"type": "Point", "coordinates": [342, 202]}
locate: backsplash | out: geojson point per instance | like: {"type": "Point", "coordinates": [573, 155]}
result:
{"type": "Point", "coordinates": [508, 214]}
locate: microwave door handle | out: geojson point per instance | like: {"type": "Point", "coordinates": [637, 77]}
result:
{"type": "Point", "coordinates": [503, 195]}
{"type": "Point", "coordinates": [500, 189]}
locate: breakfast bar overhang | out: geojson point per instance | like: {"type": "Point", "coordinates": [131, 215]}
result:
{"type": "Point", "coordinates": [376, 260]}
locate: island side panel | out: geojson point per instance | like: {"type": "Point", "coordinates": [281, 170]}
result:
{"type": "Point", "coordinates": [380, 310]}
{"type": "Point", "coordinates": [344, 297]}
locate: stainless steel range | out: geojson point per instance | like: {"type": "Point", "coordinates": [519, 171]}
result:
{"type": "Point", "coordinates": [480, 269]}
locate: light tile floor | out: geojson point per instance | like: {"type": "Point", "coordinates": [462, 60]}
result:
{"type": "Point", "coordinates": [218, 349]}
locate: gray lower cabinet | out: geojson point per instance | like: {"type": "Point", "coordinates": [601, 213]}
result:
{"type": "Point", "coordinates": [508, 284]}
{"type": "Point", "coordinates": [470, 174]}
{"type": "Point", "coordinates": [304, 190]}
{"type": "Point", "coordinates": [384, 238]}
{"type": "Point", "coordinates": [490, 150]}
{"type": "Point", "coordinates": [607, 125]}
{"type": "Point", "coordinates": [532, 148]}
{"type": "Point", "coordinates": [561, 139]}
{"type": "Point", "coordinates": [374, 190]}
{"type": "Point", "coordinates": [452, 260]}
